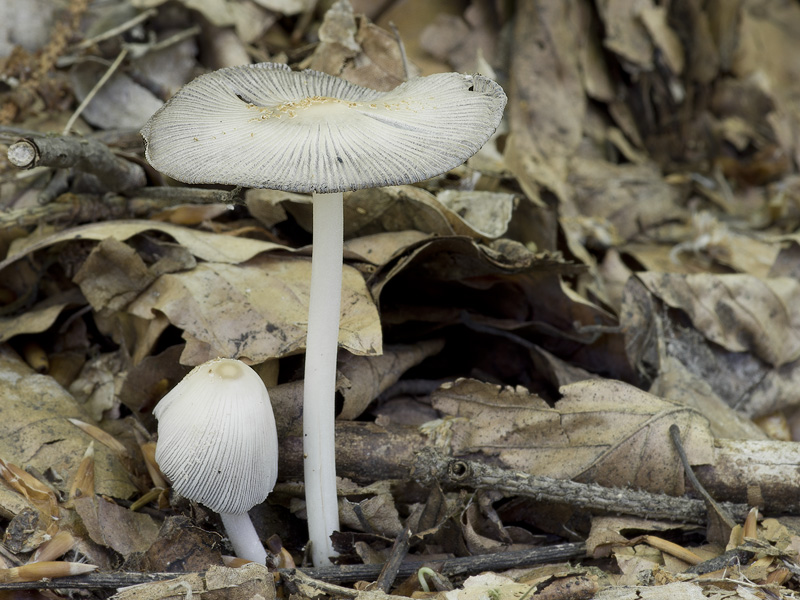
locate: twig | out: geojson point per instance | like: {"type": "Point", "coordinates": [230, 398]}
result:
{"type": "Point", "coordinates": [122, 27]}
{"type": "Point", "coordinates": [139, 50]}
{"type": "Point", "coordinates": [342, 574]}
{"type": "Point", "coordinates": [402, 48]}
{"type": "Point", "coordinates": [396, 557]}
{"type": "Point", "coordinates": [85, 154]}
{"type": "Point", "coordinates": [675, 434]}
{"type": "Point", "coordinates": [76, 209]}
{"type": "Point", "coordinates": [163, 196]}
{"type": "Point", "coordinates": [431, 466]}
{"type": "Point", "coordinates": [58, 184]}
{"type": "Point", "coordinates": [93, 92]}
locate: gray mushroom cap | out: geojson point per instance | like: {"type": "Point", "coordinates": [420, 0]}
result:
{"type": "Point", "coordinates": [267, 126]}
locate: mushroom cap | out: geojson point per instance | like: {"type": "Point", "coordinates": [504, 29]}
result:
{"type": "Point", "coordinates": [267, 126]}
{"type": "Point", "coordinates": [217, 441]}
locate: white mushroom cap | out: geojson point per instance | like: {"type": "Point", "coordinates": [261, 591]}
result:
{"type": "Point", "coordinates": [217, 441]}
{"type": "Point", "coordinates": [267, 126]}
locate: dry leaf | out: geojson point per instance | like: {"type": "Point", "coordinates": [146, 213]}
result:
{"type": "Point", "coordinates": [479, 214]}
{"type": "Point", "coordinates": [739, 312]}
{"type": "Point", "coordinates": [630, 197]}
{"type": "Point", "coordinates": [377, 514]}
{"type": "Point", "coordinates": [35, 433]}
{"type": "Point", "coordinates": [601, 431]}
{"type": "Point", "coordinates": [624, 34]}
{"type": "Point", "coordinates": [255, 311]}
{"type": "Point", "coordinates": [368, 376]}
{"type": "Point", "coordinates": [116, 527]}
{"type": "Point", "coordinates": [39, 317]}
{"type": "Point", "coordinates": [379, 248]}
{"type": "Point", "coordinates": [741, 379]}
{"type": "Point", "coordinates": [397, 208]}
{"type": "Point", "coordinates": [204, 245]}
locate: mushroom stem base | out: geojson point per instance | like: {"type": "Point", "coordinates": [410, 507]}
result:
{"type": "Point", "coordinates": [244, 538]}
{"type": "Point", "coordinates": [320, 375]}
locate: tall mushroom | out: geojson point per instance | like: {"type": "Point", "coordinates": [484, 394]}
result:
{"type": "Point", "coordinates": [218, 445]}
{"type": "Point", "coordinates": [267, 126]}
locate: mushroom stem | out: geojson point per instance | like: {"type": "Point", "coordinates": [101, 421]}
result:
{"type": "Point", "coordinates": [320, 375]}
{"type": "Point", "coordinates": [243, 537]}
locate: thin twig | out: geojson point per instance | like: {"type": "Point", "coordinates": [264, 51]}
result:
{"type": "Point", "coordinates": [392, 565]}
{"type": "Point", "coordinates": [453, 567]}
{"type": "Point", "coordinates": [675, 434]}
{"type": "Point", "coordinates": [121, 28]}
{"type": "Point", "coordinates": [431, 466]}
{"type": "Point", "coordinates": [402, 48]}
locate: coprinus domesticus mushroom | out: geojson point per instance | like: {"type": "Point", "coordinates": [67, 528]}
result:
{"type": "Point", "coordinates": [217, 444]}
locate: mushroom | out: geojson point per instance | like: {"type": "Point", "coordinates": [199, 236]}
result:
{"type": "Point", "coordinates": [218, 445]}
{"type": "Point", "coordinates": [264, 125]}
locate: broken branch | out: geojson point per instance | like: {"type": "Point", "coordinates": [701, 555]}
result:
{"type": "Point", "coordinates": [84, 154]}
{"type": "Point", "coordinates": [431, 466]}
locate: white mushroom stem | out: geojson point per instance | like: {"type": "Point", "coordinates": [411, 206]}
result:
{"type": "Point", "coordinates": [320, 375]}
{"type": "Point", "coordinates": [243, 537]}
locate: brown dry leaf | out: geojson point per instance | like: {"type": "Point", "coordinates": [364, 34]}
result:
{"type": "Point", "coordinates": [379, 248]}
{"type": "Point", "coordinates": [190, 214]}
{"type": "Point", "coordinates": [712, 240]}
{"type": "Point", "coordinates": [39, 317]}
{"type": "Point", "coordinates": [741, 379]}
{"type": "Point", "coordinates": [180, 546]}
{"type": "Point", "coordinates": [116, 527]}
{"type": "Point", "coordinates": [207, 246]}
{"type": "Point", "coordinates": [12, 503]}
{"type": "Point", "coordinates": [676, 383]}
{"type": "Point", "coordinates": [739, 312]}
{"type": "Point", "coordinates": [631, 197]}
{"type": "Point", "coordinates": [468, 42]}
{"type": "Point", "coordinates": [248, 582]}
{"type": "Point", "coordinates": [455, 280]}
{"type": "Point", "coordinates": [480, 214]}
{"type": "Point", "coordinates": [462, 259]}
{"type": "Point", "coordinates": [265, 205]}
{"type": "Point", "coordinates": [337, 40]}
{"type": "Point", "coordinates": [610, 530]}
{"type": "Point", "coordinates": [669, 591]}
{"type": "Point", "coordinates": [377, 514]}
{"type": "Point", "coordinates": [366, 212]}
{"type": "Point", "coordinates": [35, 433]}
{"type": "Point", "coordinates": [483, 535]}
{"type": "Point", "coordinates": [96, 387]}
{"type": "Point", "coordinates": [255, 311]}
{"type": "Point", "coordinates": [365, 377]}
{"type": "Point", "coordinates": [601, 431]}
{"type": "Point", "coordinates": [625, 34]}
{"type": "Point", "coordinates": [112, 275]}
{"type": "Point", "coordinates": [397, 208]}
{"type": "Point", "coordinates": [547, 98]}
{"type": "Point", "coordinates": [637, 563]}
{"type": "Point", "coordinates": [772, 33]}
{"type": "Point", "coordinates": [411, 17]}
{"type": "Point", "coordinates": [32, 526]}
{"type": "Point", "coordinates": [357, 50]}
{"type": "Point", "coordinates": [655, 20]}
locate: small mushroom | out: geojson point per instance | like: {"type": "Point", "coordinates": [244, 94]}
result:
{"type": "Point", "coordinates": [218, 445]}
{"type": "Point", "coordinates": [267, 126]}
